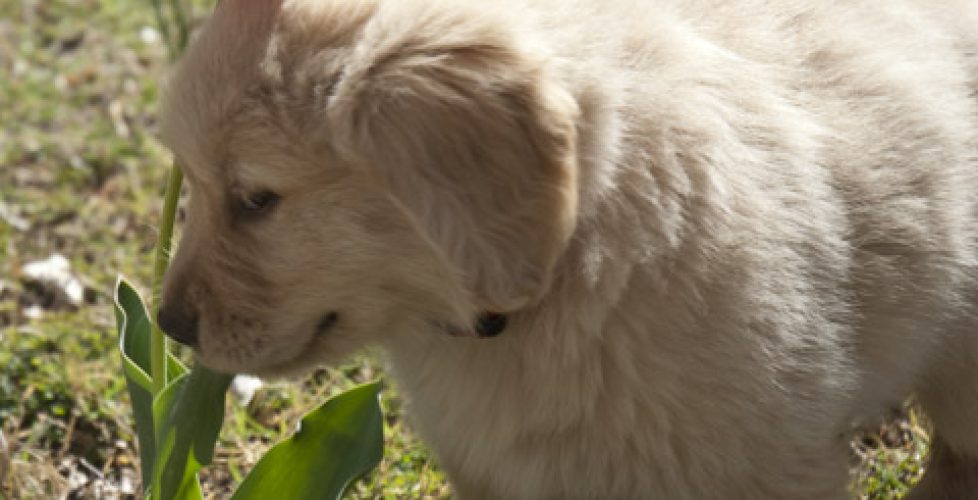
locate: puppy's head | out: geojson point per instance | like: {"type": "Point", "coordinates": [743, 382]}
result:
{"type": "Point", "coordinates": [359, 169]}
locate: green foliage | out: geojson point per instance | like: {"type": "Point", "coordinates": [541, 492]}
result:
{"type": "Point", "coordinates": [134, 334]}
{"type": "Point", "coordinates": [188, 413]}
{"type": "Point", "coordinates": [335, 444]}
{"type": "Point", "coordinates": [178, 428]}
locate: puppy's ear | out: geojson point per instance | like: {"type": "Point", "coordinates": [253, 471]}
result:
{"type": "Point", "coordinates": [475, 139]}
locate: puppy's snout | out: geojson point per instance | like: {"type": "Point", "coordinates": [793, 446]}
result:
{"type": "Point", "coordinates": [179, 323]}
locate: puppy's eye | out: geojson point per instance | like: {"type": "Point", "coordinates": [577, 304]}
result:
{"type": "Point", "coordinates": [258, 202]}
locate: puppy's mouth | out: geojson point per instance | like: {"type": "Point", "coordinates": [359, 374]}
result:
{"type": "Point", "coordinates": [297, 365]}
{"type": "Point", "coordinates": [295, 362]}
{"type": "Point", "coordinates": [281, 364]}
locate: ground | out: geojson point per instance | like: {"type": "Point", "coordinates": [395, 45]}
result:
{"type": "Point", "coordinates": [82, 175]}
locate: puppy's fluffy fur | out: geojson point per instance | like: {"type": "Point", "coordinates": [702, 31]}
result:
{"type": "Point", "coordinates": [724, 231]}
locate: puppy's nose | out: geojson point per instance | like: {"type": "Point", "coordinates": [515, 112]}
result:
{"type": "Point", "coordinates": [179, 323]}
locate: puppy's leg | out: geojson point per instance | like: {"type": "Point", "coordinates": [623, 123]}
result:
{"type": "Point", "coordinates": [466, 489]}
{"type": "Point", "coordinates": [951, 400]}
{"type": "Point", "coordinates": [951, 475]}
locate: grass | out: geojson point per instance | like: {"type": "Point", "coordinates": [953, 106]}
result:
{"type": "Point", "coordinates": [82, 175]}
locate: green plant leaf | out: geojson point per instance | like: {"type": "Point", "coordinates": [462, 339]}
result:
{"type": "Point", "coordinates": [191, 409]}
{"type": "Point", "coordinates": [334, 445]}
{"type": "Point", "coordinates": [132, 322]}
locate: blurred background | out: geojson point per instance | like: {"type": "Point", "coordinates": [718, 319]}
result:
{"type": "Point", "coordinates": [81, 184]}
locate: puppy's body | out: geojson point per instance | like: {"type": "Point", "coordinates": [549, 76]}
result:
{"type": "Point", "coordinates": [724, 232]}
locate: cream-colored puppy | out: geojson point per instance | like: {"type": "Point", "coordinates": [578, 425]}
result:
{"type": "Point", "coordinates": [712, 235]}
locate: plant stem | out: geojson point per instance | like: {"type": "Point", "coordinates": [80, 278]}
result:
{"type": "Point", "coordinates": [158, 352]}
{"type": "Point", "coordinates": [164, 26]}
{"type": "Point", "coordinates": [183, 26]}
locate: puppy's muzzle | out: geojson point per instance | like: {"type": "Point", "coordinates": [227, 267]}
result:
{"type": "Point", "coordinates": [179, 323]}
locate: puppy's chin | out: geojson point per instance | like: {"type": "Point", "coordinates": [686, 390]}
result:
{"type": "Point", "coordinates": [289, 364]}
{"type": "Point", "coordinates": [297, 369]}
{"type": "Point", "coordinates": [290, 369]}
{"type": "Point", "coordinates": [266, 363]}
{"type": "Point", "coordinates": [290, 372]}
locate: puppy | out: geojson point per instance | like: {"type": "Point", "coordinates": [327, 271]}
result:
{"type": "Point", "coordinates": [709, 237]}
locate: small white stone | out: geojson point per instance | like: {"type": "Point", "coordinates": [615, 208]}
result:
{"type": "Point", "coordinates": [55, 272]}
{"type": "Point", "coordinates": [243, 387]}
{"type": "Point", "coordinates": [8, 215]}
{"type": "Point", "coordinates": [20, 67]}
{"type": "Point", "coordinates": [33, 312]}
{"type": "Point", "coordinates": [51, 268]}
{"type": "Point", "coordinates": [149, 35]}
{"type": "Point", "coordinates": [127, 482]}
{"type": "Point", "coordinates": [76, 478]}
